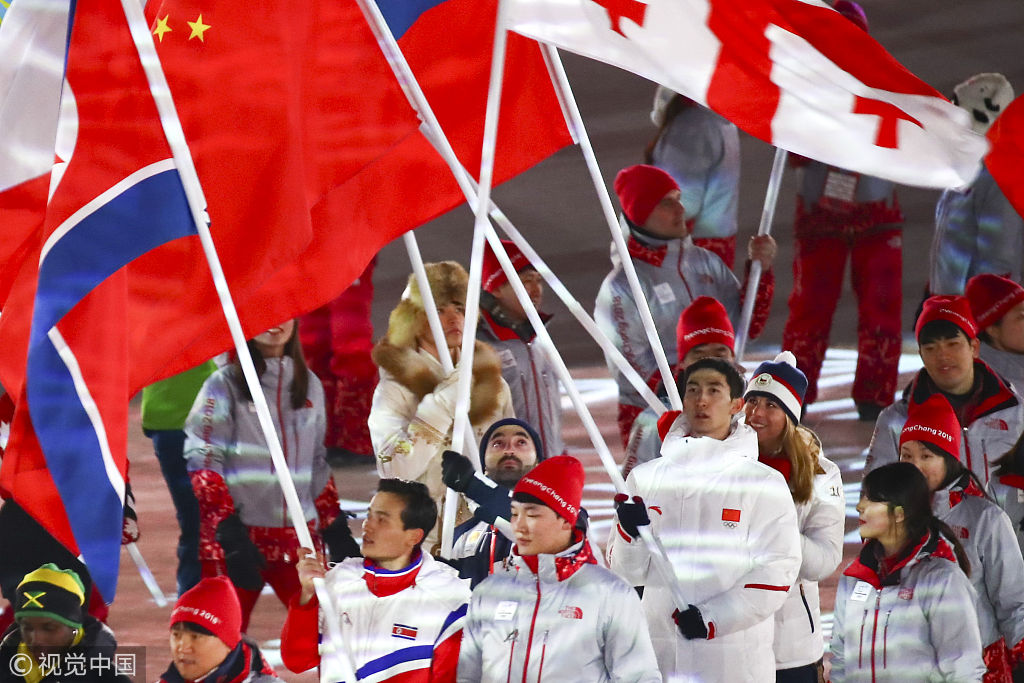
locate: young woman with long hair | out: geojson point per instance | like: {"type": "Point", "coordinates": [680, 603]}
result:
{"type": "Point", "coordinates": [904, 607]}
{"type": "Point", "coordinates": [931, 442]}
{"type": "Point", "coordinates": [773, 403]}
{"type": "Point", "coordinates": [245, 530]}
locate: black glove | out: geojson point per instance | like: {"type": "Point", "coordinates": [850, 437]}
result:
{"type": "Point", "coordinates": [1018, 673]}
{"type": "Point", "coordinates": [456, 471]}
{"type": "Point", "coordinates": [632, 515]}
{"type": "Point", "coordinates": [243, 559]}
{"type": "Point", "coordinates": [691, 624]}
{"type": "Point", "coordinates": [130, 519]}
{"type": "Point", "coordinates": [338, 537]}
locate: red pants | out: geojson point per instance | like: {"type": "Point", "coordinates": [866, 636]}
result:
{"type": "Point", "coordinates": [336, 340]}
{"type": "Point", "coordinates": [281, 576]}
{"type": "Point", "coordinates": [876, 263]}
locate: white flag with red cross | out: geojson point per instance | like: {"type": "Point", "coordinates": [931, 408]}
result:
{"type": "Point", "coordinates": [794, 73]}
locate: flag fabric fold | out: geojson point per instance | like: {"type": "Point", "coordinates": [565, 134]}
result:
{"type": "Point", "coordinates": [1006, 158]}
{"type": "Point", "coordinates": [794, 73]}
{"type": "Point", "coordinates": [310, 160]}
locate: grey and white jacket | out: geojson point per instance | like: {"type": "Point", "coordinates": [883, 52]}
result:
{"type": "Point", "coordinates": [977, 230]}
{"type": "Point", "coordinates": [1008, 365]}
{"type": "Point", "coordinates": [223, 434]}
{"type": "Point", "coordinates": [730, 530]}
{"type": "Point", "coordinates": [997, 568]}
{"type": "Point", "coordinates": [918, 623]}
{"type": "Point", "coordinates": [672, 274]}
{"type": "Point", "coordinates": [530, 376]}
{"type": "Point", "coordinates": [994, 421]}
{"type": "Point", "coordinates": [556, 618]}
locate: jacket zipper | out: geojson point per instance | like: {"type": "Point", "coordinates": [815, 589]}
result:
{"type": "Point", "coordinates": [529, 641]}
{"type": "Point", "coordinates": [984, 455]}
{"type": "Point", "coordinates": [807, 608]}
{"type": "Point", "coordinates": [874, 634]}
{"type": "Point", "coordinates": [543, 649]}
{"type": "Point", "coordinates": [514, 636]}
{"type": "Point", "coordinates": [860, 650]}
{"type": "Point", "coordinates": [885, 641]}
{"type": "Point", "coordinates": [682, 276]}
{"type": "Point", "coordinates": [967, 448]}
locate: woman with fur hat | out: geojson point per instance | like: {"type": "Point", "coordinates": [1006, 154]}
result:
{"type": "Point", "coordinates": [773, 402]}
{"type": "Point", "coordinates": [206, 639]}
{"type": "Point", "coordinates": [414, 404]}
{"type": "Point", "coordinates": [51, 629]}
{"type": "Point", "coordinates": [931, 442]}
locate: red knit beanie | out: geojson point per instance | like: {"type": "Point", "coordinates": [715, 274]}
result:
{"type": "Point", "coordinates": [933, 422]}
{"type": "Point", "coordinates": [640, 188]}
{"type": "Point", "coordinates": [954, 309]}
{"type": "Point", "coordinates": [704, 321]}
{"type": "Point", "coordinates": [853, 12]}
{"type": "Point", "coordinates": [213, 604]}
{"type": "Point", "coordinates": [558, 483]}
{"type": "Point", "coordinates": [991, 297]}
{"type": "Point", "coordinates": [493, 276]}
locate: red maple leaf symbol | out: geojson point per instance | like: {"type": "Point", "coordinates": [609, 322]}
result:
{"type": "Point", "coordinates": [617, 9]}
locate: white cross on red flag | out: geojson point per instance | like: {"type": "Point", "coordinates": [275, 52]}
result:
{"type": "Point", "coordinates": [794, 73]}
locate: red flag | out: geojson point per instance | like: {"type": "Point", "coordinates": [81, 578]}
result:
{"type": "Point", "coordinates": [794, 73]}
{"type": "Point", "coordinates": [1006, 158]}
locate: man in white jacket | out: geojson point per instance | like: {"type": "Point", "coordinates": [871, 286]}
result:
{"type": "Point", "coordinates": [729, 527]}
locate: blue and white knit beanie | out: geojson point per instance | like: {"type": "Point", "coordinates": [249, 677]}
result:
{"type": "Point", "coordinates": [781, 381]}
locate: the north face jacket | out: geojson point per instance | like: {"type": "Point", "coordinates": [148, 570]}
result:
{"type": "Point", "coordinates": [729, 527]}
{"type": "Point", "coordinates": [917, 623]}
{"type": "Point", "coordinates": [556, 618]}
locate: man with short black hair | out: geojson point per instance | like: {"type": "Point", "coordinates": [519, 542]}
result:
{"type": "Point", "coordinates": [989, 412]}
{"type": "Point", "coordinates": [553, 609]}
{"type": "Point", "coordinates": [403, 611]}
{"type": "Point", "coordinates": [729, 528]}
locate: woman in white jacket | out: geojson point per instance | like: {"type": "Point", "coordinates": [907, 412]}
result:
{"type": "Point", "coordinates": [929, 439]}
{"type": "Point", "coordinates": [773, 401]}
{"type": "Point", "coordinates": [905, 607]}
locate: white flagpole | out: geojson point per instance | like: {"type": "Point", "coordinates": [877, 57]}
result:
{"type": "Point", "coordinates": [653, 543]}
{"type": "Point", "coordinates": [197, 202]}
{"type": "Point", "coordinates": [561, 84]}
{"type": "Point", "coordinates": [434, 321]}
{"type": "Point", "coordinates": [754, 279]}
{"type": "Point", "coordinates": [436, 135]}
{"type": "Point", "coordinates": [431, 129]}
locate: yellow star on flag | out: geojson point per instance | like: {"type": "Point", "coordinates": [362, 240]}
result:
{"type": "Point", "coordinates": [198, 28]}
{"type": "Point", "coordinates": [162, 28]}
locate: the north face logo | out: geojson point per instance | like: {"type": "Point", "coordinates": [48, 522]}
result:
{"type": "Point", "coordinates": [996, 423]}
{"type": "Point", "coordinates": [571, 612]}
{"type": "Point", "coordinates": [906, 594]}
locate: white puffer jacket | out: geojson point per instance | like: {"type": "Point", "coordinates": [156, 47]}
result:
{"type": "Point", "coordinates": [822, 519]}
{"type": "Point", "coordinates": [730, 530]}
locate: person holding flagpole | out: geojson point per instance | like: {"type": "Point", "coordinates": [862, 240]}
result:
{"type": "Point", "coordinates": [245, 530]}
{"type": "Point", "coordinates": [413, 410]}
{"type": "Point", "coordinates": [673, 272]}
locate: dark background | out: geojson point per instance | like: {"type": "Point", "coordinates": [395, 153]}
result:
{"type": "Point", "coordinates": [555, 207]}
